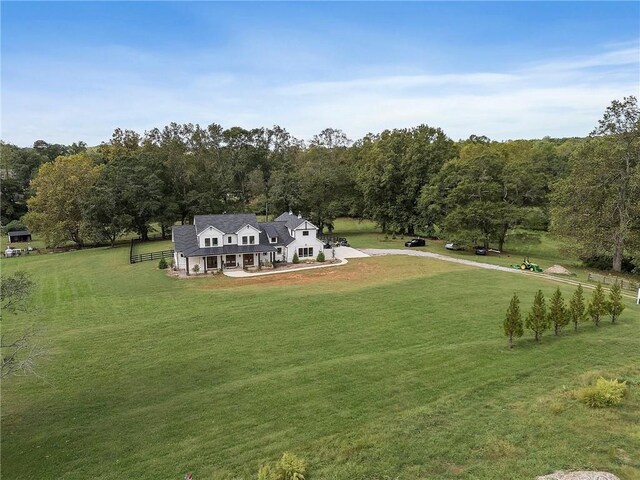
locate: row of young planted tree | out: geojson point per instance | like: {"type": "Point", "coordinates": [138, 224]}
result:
{"type": "Point", "coordinates": [557, 315]}
{"type": "Point", "coordinates": [414, 181]}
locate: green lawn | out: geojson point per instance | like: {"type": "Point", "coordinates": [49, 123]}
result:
{"type": "Point", "coordinates": [390, 367]}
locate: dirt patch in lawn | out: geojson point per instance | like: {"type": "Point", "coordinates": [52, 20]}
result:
{"type": "Point", "coordinates": [560, 475]}
{"type": "Point", "coordinates": [359, 273]}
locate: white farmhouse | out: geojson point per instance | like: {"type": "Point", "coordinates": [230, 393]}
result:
{"type": "Point", "coordinates": [216, 242]}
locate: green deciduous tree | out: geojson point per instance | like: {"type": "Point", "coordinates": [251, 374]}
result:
{"type": "Point", "coordinates": [513, 320]}
{"type": "Point", "coordinates": [615, 305]}
{"type": "Point", "coordinates": [489, 189]}
{"type": "Point", "coordinates": [394, 167]}
{"type": "Point", "coordinates": [537, 319]}
{"type": "Point", "coordinates": [61, 191]}
{"type": "Point", "coordinates": [17, 167]}
{"type": "Point", "coordinates": [597, 305]}
{"type": "Point", "coordinates": [558, 315]}
{"type": "Point", "coordinates": [468, 196]}
{"type": "Point", "coordinates": [141, 193]}
{"type": "Point", "coordinates": [598, 204]}
{"type": "Point", "coordinates": [577, 309]}
{"type": "Point", "coordinates": [326, 181]}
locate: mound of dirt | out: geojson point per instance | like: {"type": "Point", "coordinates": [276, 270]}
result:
{"type": "Point", "coordinates": [558, 269]}
{"type": "Point", "coordinates": [560, 475]}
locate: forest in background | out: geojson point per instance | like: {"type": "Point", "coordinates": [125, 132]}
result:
{"type": "Point", "coordinates": [415, 181]}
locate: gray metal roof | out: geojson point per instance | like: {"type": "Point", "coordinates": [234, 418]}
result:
{"type": "Point", "coordinates": [269, 229]}
{"type": "Point", "coordinates": [281, 231]}
{"type": "Point", "coordinates": [184, 237]}
{"type": "Point", "coordinates": [292, 221]}
{"type": "Point", "coordinates": [226, 223]}
{"type": "Point", "coordinates": [19, 233]}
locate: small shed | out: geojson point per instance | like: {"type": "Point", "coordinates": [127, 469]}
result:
{"type": "Point", "coordinates": [19, 236]}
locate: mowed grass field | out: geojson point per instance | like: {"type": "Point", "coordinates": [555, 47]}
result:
{"type": "Point", "coordinates": [386, 368]}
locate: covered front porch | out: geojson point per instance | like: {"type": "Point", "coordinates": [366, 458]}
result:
{"type": "Point", "coordinates": [234, 260]}
{"type": "Point", "coordinates": [228, 261]}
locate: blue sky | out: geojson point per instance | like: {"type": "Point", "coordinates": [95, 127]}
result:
{"type": "Point", "coordinates": [77, 70]}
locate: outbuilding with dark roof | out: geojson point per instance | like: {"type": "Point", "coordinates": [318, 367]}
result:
{"type": "Point", "coordinates": [19, 236]}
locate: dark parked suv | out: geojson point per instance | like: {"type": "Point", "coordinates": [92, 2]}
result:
{"type": "Point", "coordinates": [416, 242]}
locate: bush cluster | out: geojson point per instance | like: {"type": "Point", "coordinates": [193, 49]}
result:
{"type": "Point", "coordinates": [603, 262]}
{"type": "Point", "coordinates": [289, 467]}
{"type": "Point", "coordinates": [604, 393]}
{"type": "Point", "coordinates": [14, 226]}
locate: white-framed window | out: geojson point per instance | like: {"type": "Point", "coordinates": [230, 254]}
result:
{"type": "Point", "coordinates": [252, 240]}
{"type": "Point", "coordinates": [273, 239]}
{"type": "Point", "coordinates": [305, 252]}
{"type": "Point", "coordinates": [279, 250]}
{"type": "Point", "coordinates": [215, 242]}
{"type": "Point", "coordinates": [245, 240]}
{"type": "Point", "coordinates": [305, 233]}
{"type": "Point", "coordinates": [229, 239]}
{"type": "Point", "coordinates": [207, 242]}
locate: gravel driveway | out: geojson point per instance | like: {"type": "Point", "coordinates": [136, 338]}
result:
{"type": "Point", "coordinates": [417, 253]}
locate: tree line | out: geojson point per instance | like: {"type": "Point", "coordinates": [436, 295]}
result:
{"type": "Point", "coordinates": [413, 181]}
{"type": "Point", "coordinates": [557, 315]}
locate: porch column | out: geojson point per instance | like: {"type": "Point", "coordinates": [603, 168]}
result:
{"type": "Point", "coordinates": [205, 264]}
{"type": "Point", "coordinates": [187, 260]}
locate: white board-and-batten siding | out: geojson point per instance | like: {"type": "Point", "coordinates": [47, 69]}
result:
{"type": "Point", "coordinates": [211, 233]}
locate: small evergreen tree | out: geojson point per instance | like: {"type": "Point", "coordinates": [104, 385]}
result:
{"type": "Point", "coordinates": [537, 320]}
{"type": "Point", "coordinates": [295, 258]}
{"type": "Point", "coordinates": [577, 310]}
{"type": "Point", "coordinates": [557, 312]}
{"type": "Point", "coordinates": [598, 305]}
{"type": "Point", "coordinates": [162, 264]}
{"type": "Point", "coordinates": [615, 305]}
{"type": "Point", "coordinates": [513, 321]}
{"type": "Point", "coordinates": [320, 257]}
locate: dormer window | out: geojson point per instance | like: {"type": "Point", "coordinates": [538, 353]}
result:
{"type": "Point", "coordinates": [207, 242]}
{"type": "Point", "coordinates": [305, 233]}
{"type": "Point", "coordinates": [229, 239]}
{"type": "Point", "coordinates": [273, 239]}
{"type": "Point", "coordinates": [215, 242]}
{"type": "Point", "coordinates": [252, 240]}
{"type": "Point", "coordinates": [245, 240]}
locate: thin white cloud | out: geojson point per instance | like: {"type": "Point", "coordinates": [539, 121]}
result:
{"type": "Point", "coordinates": [561, 97]}
{"type": "Point", "coordinates": [555, 98]}
{"type": "Point", "coordinates": [623, 56]}
{"type": "Point", "coordinates": [399, 82]}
